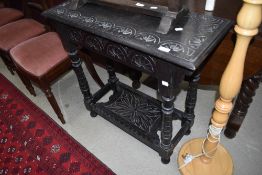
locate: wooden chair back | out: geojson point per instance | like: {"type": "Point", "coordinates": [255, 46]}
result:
{"type": "Point", "coordinates": [34, 8]}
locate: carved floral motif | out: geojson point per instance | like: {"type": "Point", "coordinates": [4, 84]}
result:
{"type": "Point", "coordinates": [103, 25]}
{"type": "Point", "coordinates": [196, 41]}
{"type": "Point", "coordinates": [136, 110]}
{"type": "Point", "coordinates": [143, 61]}
{"type": "Point", "coordinates": [77, 36]}
{"type": "Point", "coordinates": [94, 43]}
{"type": "Point", "coordinates": [206, 25]}
{"type": "Point", "coordinates": [121, 31]}
{"type": "Point", "coordinates": [116, 52]}
{"type": "Point", "coordinates": [178, 49]}
{"type": "Point", "coordinates": [113, 50]}
{"type": "Point", "coordinates": [148, 38]}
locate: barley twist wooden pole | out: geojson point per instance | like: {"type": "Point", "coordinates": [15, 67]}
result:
{"type": "Point", "coordinates": [215, 159]}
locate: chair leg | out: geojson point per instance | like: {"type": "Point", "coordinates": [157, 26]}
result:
{"type": "Point", "coordinates": [9, 65]}
{"type": "Point", "coordinates": [26, 82]}
{"type": "Point", "coordinates": [91, 69]}
{"type": "Point", "coordinates": [50, 96]}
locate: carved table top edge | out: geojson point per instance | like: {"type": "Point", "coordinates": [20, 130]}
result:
{"type": "Point", "coordinates": [179, 52]}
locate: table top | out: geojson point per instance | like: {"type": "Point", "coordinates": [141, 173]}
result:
{"type": "Point", "coordinates": [187, 48]}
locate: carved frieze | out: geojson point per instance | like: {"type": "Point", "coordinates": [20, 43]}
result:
{"type": "Point", "coordinates": [145, 62]}
{"type": "Point", "coordinates": [113, 50]}
{"type": "Point", "coordinates": [117, 52]}
{"type": "Point", "coordinates": [184, 49]}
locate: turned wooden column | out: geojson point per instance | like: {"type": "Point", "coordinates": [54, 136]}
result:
{"type": "Point", "coordinates": [215, 159]}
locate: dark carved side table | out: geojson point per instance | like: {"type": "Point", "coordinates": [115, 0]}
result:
{"type": "Point", "coordinates": [131, 39]}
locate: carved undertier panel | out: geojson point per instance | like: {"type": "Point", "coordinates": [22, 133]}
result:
{"type": "Point", "coordinates": [137, 114]}
{"type": "Point", "coordinates": [116, 52]}
{"type": "Point", "coordinates": [143, 113]}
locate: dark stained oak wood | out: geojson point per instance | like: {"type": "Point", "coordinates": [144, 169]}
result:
{"type": "Point", "coordinates": [130, 41]}
{"type": "Point", "coordinates": [212, 72]}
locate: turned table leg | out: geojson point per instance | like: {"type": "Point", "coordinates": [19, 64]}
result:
{"type": "Point", "coordinates": [190, 103]}
{"type": "Point", "coordinates": [112, 79]}
{"type": "Point", "coordinates": [135, 77]}
{"type": "Point", "coordinates": [83, 83]}
{"type": "Point", "coordinates": [168, 81]}
{"type": "Point", "coordinates": [244, 99]}
{"type": "Point", "coordinates": [72, 50]}
{"type": "Point", "coordinates": [166, 127]}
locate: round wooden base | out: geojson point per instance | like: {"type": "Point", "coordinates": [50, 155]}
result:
{"type": "Point", "coordinates": [221, 163]}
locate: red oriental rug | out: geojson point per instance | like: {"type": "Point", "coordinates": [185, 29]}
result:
{"type": "Point", "coordinates": [32, 143]}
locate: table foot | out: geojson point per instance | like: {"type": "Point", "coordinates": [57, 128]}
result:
{"type": "Point", "coordinates": [188, 132]}
{"type": "Point", "coordinates": [135, 77]}
{"type": "Point", "coordinates": [93, 114]}
{"type": "Point", "coordinates": [136, 84]}
{"type": "Point", "coordinates": [165, 160]}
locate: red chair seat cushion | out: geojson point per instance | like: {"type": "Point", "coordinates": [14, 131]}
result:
{"type": "Point", "coordinates": [8, 15]}
{"type": "Point", "coordinates": [40, 54]}
{"type": "Point", "coordinates": [16, 32]}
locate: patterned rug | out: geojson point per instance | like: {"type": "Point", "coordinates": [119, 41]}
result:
{"type": "Point", "coordinates": [32, 143]}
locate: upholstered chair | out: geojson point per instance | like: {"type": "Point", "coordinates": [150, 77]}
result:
{"type": "Point", "coordinates": [42, 60]}
{"type": "Point", "coordinates": [39, 59]}
{"type": "Point", "coordinates": [14, 33]}
{"type": "Point", "coordinates": [8, 15]}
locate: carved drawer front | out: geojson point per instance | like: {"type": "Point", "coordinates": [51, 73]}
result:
{"type": "Point", "coordinates": [114, 51]}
